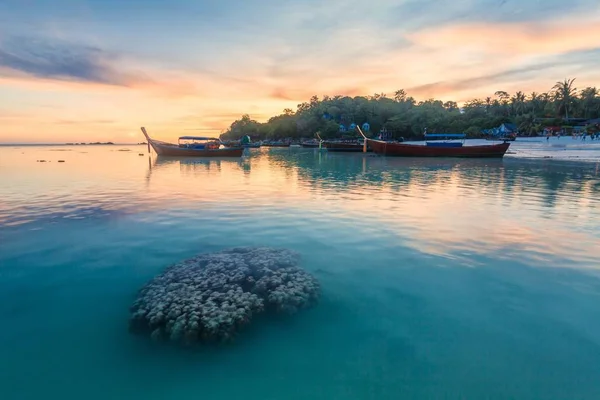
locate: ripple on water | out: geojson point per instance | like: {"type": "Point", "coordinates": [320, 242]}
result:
{"type": "Point", "coordinates": [441, 278]}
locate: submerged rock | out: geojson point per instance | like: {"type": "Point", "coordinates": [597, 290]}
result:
{"type": "Point", "coordinates": [211, 296]}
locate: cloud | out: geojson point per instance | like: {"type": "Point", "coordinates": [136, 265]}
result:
{"type": "Point", "coordinates": [56, 60]}
{"type": "Point", "coordinates": [475, 57]}
{"type": "Point", "coordinates": [281, 94]}
{"type": "Point", "coordinates": [63, 65]}
{"type": "Point", "coordinates": [513, 75]}
{"type": "Point", "coordinates": [106, 59]}
{"type": "Point", "coordinates": [514, 39]}
{"type": "Point", "coordinates": [415, 15]}
{"type": "Point", "coordinates": [85, 122]}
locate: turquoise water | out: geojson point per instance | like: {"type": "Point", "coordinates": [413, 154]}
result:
{"type": "Point", "coordinates": [442, 279]}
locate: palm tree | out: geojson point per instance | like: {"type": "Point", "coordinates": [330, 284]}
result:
{"type": "Point", "coordinates": [564, 94]}
{"type": "Point", "coordinates": [517, 102]}
{"type": "Point", "coordinates": [534, 100]}
{"type": "Point", "coordinates": [544, 100]}
{"type": "Point", "coordinates": [488, 104]}
{"type": "Point", "coordinates": [503, 100]}
{"type": "Point", "coordinates": [589, 99]}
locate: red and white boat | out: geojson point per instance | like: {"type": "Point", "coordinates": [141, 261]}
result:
{"type": "Point", "coordinates": [438, 149]}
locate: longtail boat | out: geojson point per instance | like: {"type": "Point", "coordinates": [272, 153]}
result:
{"type": "Point", "coordinates": [310, 144]}
{"type": "Point", "coordinates": [345, 145]}
{"type": "Point", "coordinates": [193, 146]}
{"type": "Point", "coordinates": [439, 149]}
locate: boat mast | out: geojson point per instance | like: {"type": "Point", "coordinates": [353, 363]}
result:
{"type": "Point", "coordinates": [364, 139]}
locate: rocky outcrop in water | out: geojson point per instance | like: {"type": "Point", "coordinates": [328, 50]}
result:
{"type": "Point", "coordinates": [211, 296]}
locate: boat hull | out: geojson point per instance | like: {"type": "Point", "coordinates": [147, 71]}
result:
{"type": "Point", "coordinates": [175, 151]}
{"type": "Point", "coordinates": [172, 150]}
{"type": "Point", "coordinates": [415, 150]}
{"type": "Point", "coordinates": [345, 147]}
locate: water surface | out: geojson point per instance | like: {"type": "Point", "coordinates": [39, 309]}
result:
{"type": "Point", "coordinates": [442, 279]}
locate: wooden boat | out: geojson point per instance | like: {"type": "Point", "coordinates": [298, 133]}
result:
{"type": "Point", "coordinates": [352, 145]}
{"type": "Point", "coordinates": [438, 149]}
{"type": "Point", "coordinates": [310, 144]}
{"type": "Point", "coordinates": [193, 146]}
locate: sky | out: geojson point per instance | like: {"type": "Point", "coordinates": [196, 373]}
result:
{"type": "Point", "coordinates": [98, 70]}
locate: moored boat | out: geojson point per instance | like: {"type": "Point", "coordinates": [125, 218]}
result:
{"type": "Point", "coordinates": [193, 146]}
{"type": "Point", "coordinates": [245, 142]}
{"type": "Point", "coordinates": [244, 145]}
{"type": "Point", "coordinates": [345, 145]}
{"type": "Point", "coordinates": [439, 149]}
{"type": "Point", "coordinates": [310, 144]}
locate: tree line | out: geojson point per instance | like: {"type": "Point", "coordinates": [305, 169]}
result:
{"type": "Point", "coordinates": [402, 116]}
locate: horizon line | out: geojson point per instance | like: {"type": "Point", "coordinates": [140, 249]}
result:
{"type": "Point", "coordinates": [71, 144]}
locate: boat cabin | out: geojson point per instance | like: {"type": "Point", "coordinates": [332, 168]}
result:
{"type": "Point", "coordinates": [199, 142]}
{"type": "Point", "coordinates": [444, 139]}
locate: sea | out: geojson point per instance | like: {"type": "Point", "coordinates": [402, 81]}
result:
{"type": "Point", "coordinates": [440, 278]}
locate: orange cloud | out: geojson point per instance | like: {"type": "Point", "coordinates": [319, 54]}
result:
{"type": "Point", "coordinates": [167, 85]}
{"type": "Point", "coordinates": [473, 59]}
{"type": "Point", "coordinates": [513, 39]}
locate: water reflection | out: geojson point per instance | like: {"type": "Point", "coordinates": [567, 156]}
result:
{"type": "Point", "coordinates": [190, 165]}
{"type": "Point", "coordinates": [546, 210]}
{"type": "Point", "coordinates": [515, 208]}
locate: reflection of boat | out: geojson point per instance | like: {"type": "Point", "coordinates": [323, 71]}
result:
{"type": "Point", "coordinates": [438, 149]}
{"type": "Point", "coordinates": [193, 146]}
{"type": "Point", "coordinates": [196, 162]}
{"type": "Point", "coordinates": [345, 145]}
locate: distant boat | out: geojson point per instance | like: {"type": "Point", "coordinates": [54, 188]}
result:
{"type": "Point", "coordinates": [193, 146]}
{"type": "Point", "coordinates": [439, 149]}
{"type": "Point", "coordinates": [245, 142]}
{"type": "Point", "coordinates": [244, 145]}
{"type": "Point", "coordinates": [345, 145]}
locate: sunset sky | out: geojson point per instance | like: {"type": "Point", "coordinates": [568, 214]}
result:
{"type": "Point", "coordinates": [97, 70]}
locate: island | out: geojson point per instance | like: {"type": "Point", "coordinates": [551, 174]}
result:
{"type": "Point", "coordinates": [89, 144]}
{"type": "Point", "coordinates": [562, 110]}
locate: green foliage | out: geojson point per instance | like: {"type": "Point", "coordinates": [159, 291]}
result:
{"type": "Point", "coordinates": [402, 116]}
